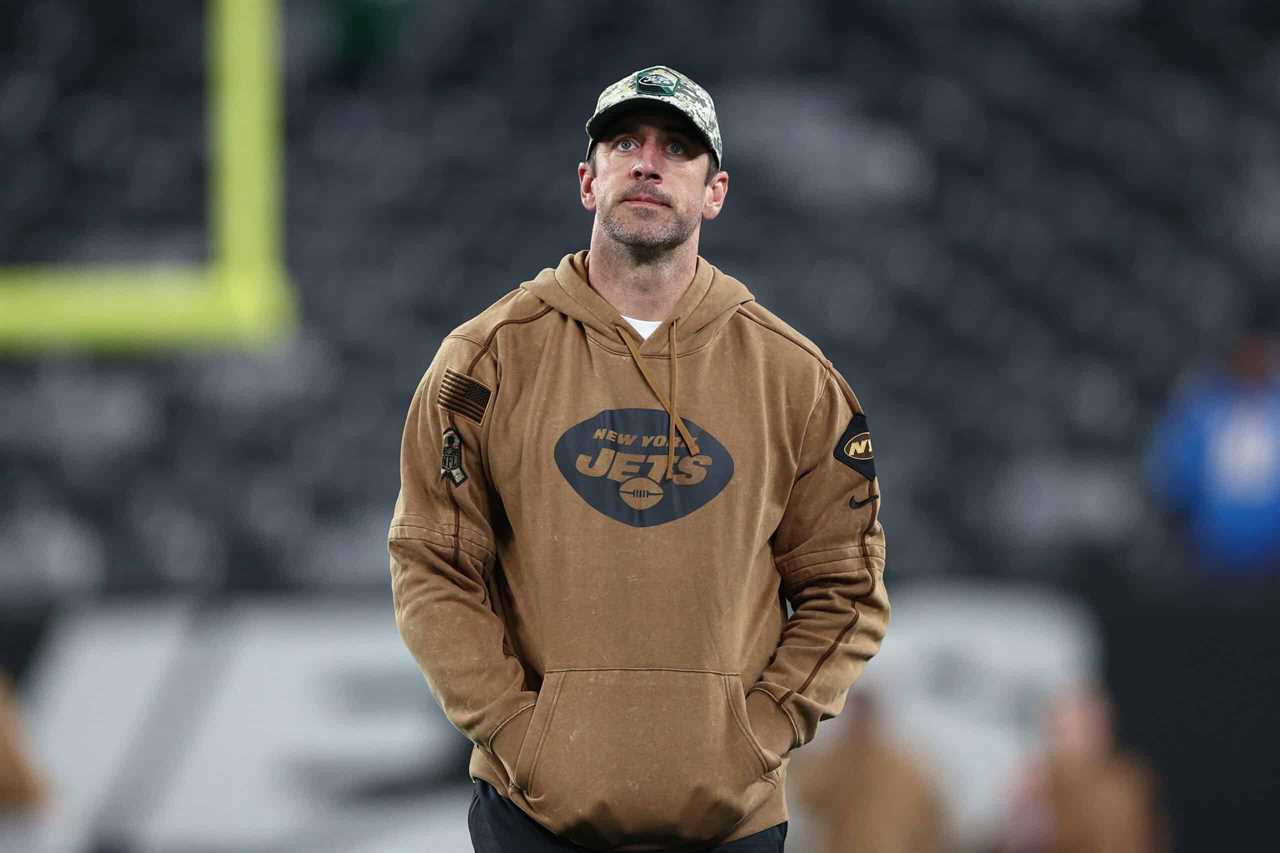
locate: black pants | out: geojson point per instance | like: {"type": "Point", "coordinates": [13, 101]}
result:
{"type": "Point", "coordinates": [498, 826]}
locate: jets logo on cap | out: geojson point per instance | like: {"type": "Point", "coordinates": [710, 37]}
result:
{"type": "Point", "coordinates": [655, 83]}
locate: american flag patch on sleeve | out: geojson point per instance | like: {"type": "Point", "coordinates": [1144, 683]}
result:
{"type": "Point", "coordinates": [461, 394]}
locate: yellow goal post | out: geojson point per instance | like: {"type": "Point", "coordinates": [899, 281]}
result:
{"type": "Point", "coordinates": [243, 297]}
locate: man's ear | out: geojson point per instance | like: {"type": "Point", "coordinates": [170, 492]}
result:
{"type": "Point", "coordinates": [713, 200]}
{"type": "Point", "coordinates": [587, 186]}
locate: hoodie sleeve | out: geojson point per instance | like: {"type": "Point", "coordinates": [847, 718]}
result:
{"type": "Point", "coordinates": [829, 550]}
{"type": "Point", "coordinates": [442, 550]}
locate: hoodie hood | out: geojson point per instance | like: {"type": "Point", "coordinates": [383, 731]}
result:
{"type": "Point", "coordinates": [706, 305]}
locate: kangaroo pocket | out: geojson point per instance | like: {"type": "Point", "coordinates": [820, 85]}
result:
{"type": "Point", "coordinates": [642, 756]}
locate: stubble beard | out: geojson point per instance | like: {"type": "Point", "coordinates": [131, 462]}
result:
{"type": "Point", "coordinates": [648, 240]}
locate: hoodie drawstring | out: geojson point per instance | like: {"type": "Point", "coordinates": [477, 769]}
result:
{"type": "Point", "coordinates": [673, 415]}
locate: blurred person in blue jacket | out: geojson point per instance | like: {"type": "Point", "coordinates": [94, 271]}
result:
{"type": "Point", "coordinates": [1214, 461]}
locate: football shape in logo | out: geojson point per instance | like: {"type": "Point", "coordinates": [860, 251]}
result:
{"type": "Point", "coordinates": [640, 492]}
{"type": "Point", "coordinates": [617, 462]}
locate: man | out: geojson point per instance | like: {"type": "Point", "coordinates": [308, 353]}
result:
{"type": "Point", "coordinates": [589, 559]}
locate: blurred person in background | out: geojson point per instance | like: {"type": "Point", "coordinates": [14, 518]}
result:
{"type": "Point", "coordinates": [1081, 795]}
{"type": "Point", "coordinates": [1208, 711]}
{"type": "Point", "coordinates": [22, 792]}
{"type": "Point", "coordinates": [867, 794]}
{"type": "Point", "coordinates": [593, 584]}
{"type": "Point", "coordinates": [1214, 461]}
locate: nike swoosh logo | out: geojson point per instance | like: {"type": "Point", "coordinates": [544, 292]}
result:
{"type": "Point", "coordinates": [857, 504]}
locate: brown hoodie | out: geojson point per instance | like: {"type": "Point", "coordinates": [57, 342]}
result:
{"type": "Point", "coordinates": [591, 543]}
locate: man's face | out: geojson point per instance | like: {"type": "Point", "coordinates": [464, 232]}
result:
{"type": "Point", "coordinates": [649, 187]}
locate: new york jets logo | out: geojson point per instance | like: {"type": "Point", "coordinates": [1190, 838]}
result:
{"type": "Point", "coordinates": [655, 83]}
{"type": "Point", "coordinates": [854, 447]}
{"type": "Point", "coordinates": [859, 447]}
{"type": "Point", "coordinates": [617, 462]}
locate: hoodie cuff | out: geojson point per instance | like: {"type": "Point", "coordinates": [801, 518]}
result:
{"type": "Point", "coordinates": [769, 723]}
{"type": "Point", "coordinates": [506, 742]}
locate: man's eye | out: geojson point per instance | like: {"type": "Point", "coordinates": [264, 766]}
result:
{"type": "Point", "coordinates": [676, 148]}
{"type": "Point", "coordinates": [625, 144]}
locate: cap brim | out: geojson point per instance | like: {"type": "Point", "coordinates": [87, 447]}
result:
{"type": "Point", "coordinates": [600, 122]}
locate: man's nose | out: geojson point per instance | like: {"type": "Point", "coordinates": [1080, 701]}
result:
{"type": "Point", "coordinates": [646, 162]}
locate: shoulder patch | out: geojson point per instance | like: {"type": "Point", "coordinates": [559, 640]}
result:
{"type": "Point", "coordinates": [451, 458]}
{"type": "Point", "coordinates": [854, 447]}
{"type": "Point", "coordinates": [464, 395]}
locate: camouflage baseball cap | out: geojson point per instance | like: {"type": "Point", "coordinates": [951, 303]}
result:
{"type": "Point", "coordinates": [667, 86]}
